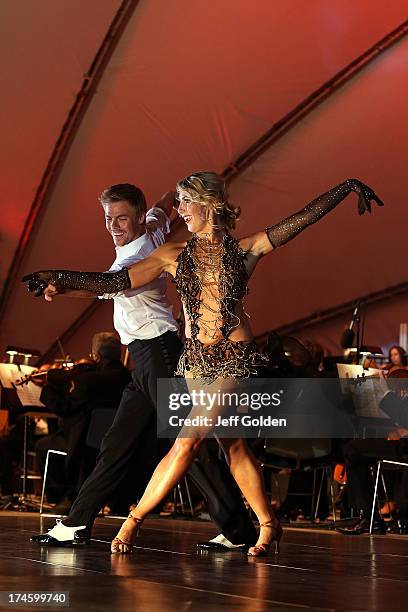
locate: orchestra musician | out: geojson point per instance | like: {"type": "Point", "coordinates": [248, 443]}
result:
{"type": "Point", "coordinates": [397, 359]}
{"type": "Point", "coordinates": [73, 394]}
{"type": "Point", "coordinates": [361, 454]}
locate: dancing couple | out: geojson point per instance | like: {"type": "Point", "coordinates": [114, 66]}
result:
{"type": "Point", "coordinates": [211, 273]}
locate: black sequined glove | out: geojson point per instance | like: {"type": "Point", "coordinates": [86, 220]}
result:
{"type": "Point", "coordinates": [290, 227]}
{"type": "Point", "coordinates": [65, 280]}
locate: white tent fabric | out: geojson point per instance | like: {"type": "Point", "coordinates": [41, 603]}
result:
{"type": "Point", "coordinates": [190, 86]}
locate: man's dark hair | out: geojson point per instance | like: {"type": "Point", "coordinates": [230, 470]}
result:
{"type": "Point", "coordinates": [107, 345]}
{"type": "Point", "coordinates": [125, 191]}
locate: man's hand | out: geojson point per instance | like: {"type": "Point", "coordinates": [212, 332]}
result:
{"type": "Point", "coordinates": [167, 202]}
{"type": "Point", "coordinates": [50, 292]}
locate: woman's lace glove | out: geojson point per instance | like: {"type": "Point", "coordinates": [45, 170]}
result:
{"type": "Point", "coordinates": [287, 229]}
{"type": "Point", "coordinates": [66, 280]}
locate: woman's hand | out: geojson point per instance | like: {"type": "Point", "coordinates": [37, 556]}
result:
{"type": "Point", "coordinates": [280, 233]}
{"type": "Point", "coordinates": [365, 196]}
{"type": "Point", "coordinates": [97, 283]}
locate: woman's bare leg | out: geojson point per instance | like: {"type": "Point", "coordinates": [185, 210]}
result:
{"type": "Point", "coordinates": [168, 473]}
{"type": "Point", "coordinates": [247, 474]}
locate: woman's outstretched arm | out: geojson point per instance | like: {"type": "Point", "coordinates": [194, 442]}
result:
{"type": "Point", "coordinates": [287, 229]}
{"type": "Point", "coordinates": [98, 283]}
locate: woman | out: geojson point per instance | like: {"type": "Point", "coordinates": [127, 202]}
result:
{"type": "Point", "coordinates": [211, 273]}
{"type": "Point", "coordinates": [396, 357]}
{"type": "Point", "coordinates": [397, 360]}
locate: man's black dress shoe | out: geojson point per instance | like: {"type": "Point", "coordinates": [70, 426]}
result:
{"type": "Point", "coordinates": [81, 538]}
{"type": "Point", "coordinates": [218, 547]}
{"type": "Point", "coordinates": [363, 526]}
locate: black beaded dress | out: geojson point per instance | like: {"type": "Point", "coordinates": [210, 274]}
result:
{"type": "Point", "coordinates": [211, 280]}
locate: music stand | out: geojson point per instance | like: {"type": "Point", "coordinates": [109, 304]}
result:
{"type": "Point", "coordinates": [366, 394]}
{"type": "Point", "coordinates": [27, 397]}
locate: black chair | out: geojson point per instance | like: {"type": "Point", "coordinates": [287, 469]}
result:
{"type": "Point", "coordinates": [302, 455]}
{"type": "Point", "coordinates": [390, 465]}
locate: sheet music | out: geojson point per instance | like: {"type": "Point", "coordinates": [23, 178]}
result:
{"type": "Point", "coordinates": [367, 397]}
{"type": "Point", "coordinates": [367, 394]}
{"type": "Point", "coordinates": [9, 373]}
{"type": "Point", "coordinates": [348, 372]}
{"type": "Point", "coordinates": [29, 394]}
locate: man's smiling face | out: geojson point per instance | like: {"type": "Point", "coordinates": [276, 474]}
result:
{"type": "Point", "coordinates": [121, 222]}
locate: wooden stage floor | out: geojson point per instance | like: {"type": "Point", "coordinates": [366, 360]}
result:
{"type": "Point", "coordinates": [316, 570]}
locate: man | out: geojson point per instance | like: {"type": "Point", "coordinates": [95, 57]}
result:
{"type": "Point", "coordinates": [144, 320]}
{"type": "Point", "coordinates": [73, 396]}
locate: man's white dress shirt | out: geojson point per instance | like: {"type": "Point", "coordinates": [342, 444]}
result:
{"type": "Point", "coordinates": [142, 313]}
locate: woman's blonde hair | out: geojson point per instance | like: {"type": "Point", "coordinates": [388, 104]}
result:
{"type": "Point", "coordinates": [210, 188]}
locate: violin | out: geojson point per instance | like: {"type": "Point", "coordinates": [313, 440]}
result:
{"type": "Point", "coordinates": [37, 376]}
{"type": "Point", "coordinates": [58, 372]}
{"type": "Point", "coordinates": [397, 371]}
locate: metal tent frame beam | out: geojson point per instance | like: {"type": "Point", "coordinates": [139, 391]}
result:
{"type": "Point", "coordinates": [318, 317]}
{"type": "Point", "coordinates": [317, 97]}
{"type": "Point", "coordinates": [63, 144]}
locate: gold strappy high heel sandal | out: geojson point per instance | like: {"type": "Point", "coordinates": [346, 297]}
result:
{"type": "Point", "coordinates": [261, 550]}
{"type": "Point", "coordinates": [123, 547]}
